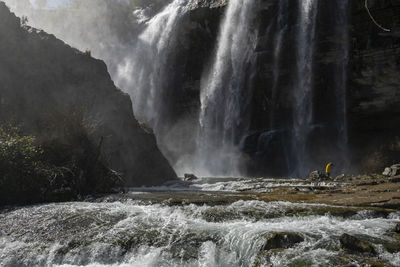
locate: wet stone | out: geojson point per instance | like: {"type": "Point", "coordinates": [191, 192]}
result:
{"type": "Point", "coordinates": [355, 245]}
{"type": "Point", "coordinates": [189, 177]}
{"type": "Point", "coordinates": [392, 170]}
{"type": "Point", "coordinates": [317, 175]}
{"type": "Point", "coordinates": [282, 240]}
{"type": "Point", "coordinates": [396, 229]}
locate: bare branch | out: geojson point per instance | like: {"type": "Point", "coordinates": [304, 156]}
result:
{"type": "Point", "coordinates": [372, 18]}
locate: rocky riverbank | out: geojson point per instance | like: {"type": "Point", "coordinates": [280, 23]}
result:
{"type": "Point", "coordinates": [359, 191]}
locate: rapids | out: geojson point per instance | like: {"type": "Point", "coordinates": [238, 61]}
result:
{"type": "Point", "coordinates": [139, 229]}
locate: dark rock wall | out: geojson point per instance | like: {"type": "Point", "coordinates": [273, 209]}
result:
{"type": "Point", "coordinates": [374, 86]}
{"type": "Point", "coordinates": [43, 81]}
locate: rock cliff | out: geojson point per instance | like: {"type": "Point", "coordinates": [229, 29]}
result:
{"type": "Point", "coordinates": [45, 83]}
{"type": "Point", "coordinates": [374, 85]}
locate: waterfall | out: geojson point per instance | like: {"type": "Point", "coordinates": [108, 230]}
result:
{"type": "Point", "coordinates": [281, 29]}
{"type": "Point", "coordinates": [223, 94]}
{"type": "Point", "coordinates": [303, 106]}
{"type": "Point", "coordinates": [146, 72]}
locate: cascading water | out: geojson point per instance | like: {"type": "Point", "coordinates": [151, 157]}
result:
{"type": "Point", "coordinates": [223, 94]}
{"type": "Point", "coordinates": [146, 72]}
{"type": "Point", "coordinates": [303, 105]}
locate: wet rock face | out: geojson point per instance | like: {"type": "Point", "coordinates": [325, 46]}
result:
{"type": "Point", "coordinates": [373, 96]}
{"type": "Point", "coordinates": [44, 82]}
{"type": "Point", "coordinates": [209, 3]}
{"type": "Point", "coordinates": [355, 245]}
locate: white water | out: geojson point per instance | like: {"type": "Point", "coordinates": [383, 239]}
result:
{"type": "Point", "coordinates": [260, 185]}
{"type": "Point", "coordinates": [303, 105]}
{"type": "Point", "coordinates": [98, 234]}
{"type": "Point", "coordinates": [223, 95]}
{"type": "Point", "coordinates": [145, 73]}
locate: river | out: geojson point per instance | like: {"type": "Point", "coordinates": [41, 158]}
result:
{"type": "Point", "coordinates": [209, 222]}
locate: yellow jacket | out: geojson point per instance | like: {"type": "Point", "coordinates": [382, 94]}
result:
{"type": "Point", "coordinates": [328, 168]}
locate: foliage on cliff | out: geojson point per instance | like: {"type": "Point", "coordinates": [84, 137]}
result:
{"type": "Point", "coordinates": [31, 173]}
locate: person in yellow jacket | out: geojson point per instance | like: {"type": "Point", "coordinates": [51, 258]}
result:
{"type": "Point", "coordinates": [328, 169]}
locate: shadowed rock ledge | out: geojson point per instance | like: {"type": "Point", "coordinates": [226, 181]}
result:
{"type": "Point", "coordinates": [45, 83]}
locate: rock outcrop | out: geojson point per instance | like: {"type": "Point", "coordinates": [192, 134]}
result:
{"type": "Point", "coordinates": [392, 170]}
{"type": "Point", "coordinates": [45, 83]}
{"type": "Point", "coordinates": [209, 3]}
{"type": "Point", "coordinates": [317, 176]}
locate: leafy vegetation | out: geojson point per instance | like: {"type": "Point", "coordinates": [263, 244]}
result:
{"type": "Point", "coordinates": [21, 168]}
{"type": "Point", "coordinates": [30, 173]}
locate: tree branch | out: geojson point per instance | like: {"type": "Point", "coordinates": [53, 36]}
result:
{"type": "Point", "coordinates": [372, 18]}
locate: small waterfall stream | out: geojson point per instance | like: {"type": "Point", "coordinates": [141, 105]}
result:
{"type": "Point", "coordinates": [223, 92]}
{"type": "Point", "coordinates": [303, 87]}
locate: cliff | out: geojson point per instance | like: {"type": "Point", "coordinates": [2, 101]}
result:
{"type": "Point", "coordinates": [46, 86]}
{"type": "Point", "coordinates": [374, 85]}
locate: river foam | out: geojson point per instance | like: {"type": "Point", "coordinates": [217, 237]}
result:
{"type": "Point", "coordinates": [130, 233]}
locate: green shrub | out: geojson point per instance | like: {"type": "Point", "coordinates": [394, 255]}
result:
{"type": "Point", "coordinates": [59, 170]}
{"type": "Point", "coordinates": [20, 167]}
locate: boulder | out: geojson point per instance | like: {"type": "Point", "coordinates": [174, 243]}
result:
{"type": "Point", "coordinates": [396, 229]}
{"type": "Point", "coordinates": [282, 240]}
{"type": "Point", "coordinates": [392, 170]}
{"type": "Point", "coordinates": [387, 171]}
{"type": "Point", "coordinates": [317, 175]}
{"type": "Point", "coordinates": [189, 177]}
{"type": "Point", "coordinates": [355, 245]}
